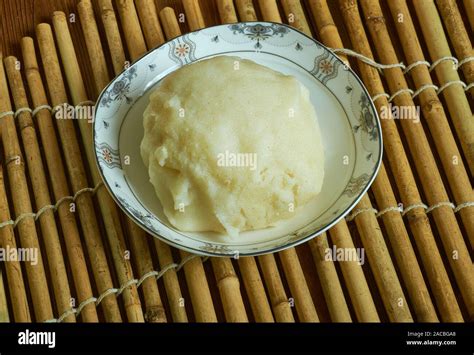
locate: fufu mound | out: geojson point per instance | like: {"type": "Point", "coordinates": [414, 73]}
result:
{"type": "Point", "coordinates": [231, 145]}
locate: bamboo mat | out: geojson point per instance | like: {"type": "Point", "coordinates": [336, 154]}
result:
{"type": "Point", "coordinates": [416, 224]}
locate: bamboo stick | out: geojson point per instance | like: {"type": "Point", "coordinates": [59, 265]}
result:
{"type": "Point", "coordinates": [138, 46]}
{"type": "Point", "coordinates": [37, 281]}
{"type": "Point", "coordinates": [16, 286]}
{"type": "Point", "coordinates": [77, 174]}
{"type": "Point", "coordinates": [295, 16]}
{"type": "Point", "coordinates": [458, 35]}
{"type": "Point", "coordinates": [279, 300]}
{"type": "Point", "coordinates": [326, 27]}
{"type": "Point", "coordinates": [330, 284]}
{"type": "Point", "coordinates": [226, 11]}
{"type": "Point", "coordinates": [169, 23]}
{"type": "Point", "coordinates": [155, 313]}
{"type": "Point", "coordinates": [77, 89]}
{"type": "Point", "coordinates": [90, 30]}
{"type": "Point", "coordinates": [129, 18]}
{"type": "Point", "coordinates": [4, 316]}
{"type": "Point", "coordinates": [193, 14]}
{"type": "Point", "coordinates": [199, 290]}
{"type": "Point", "coordinates": [469, 7]}
{"type": "Point", "coordinates": [382, 267]}
{"type": "Point", "coordinates": [170, 280]}
{"type": "Point", "coordinates": [149, 22]}
{"type": "Point", "coordinates": [246, 10]}
{"type": "Point", "coordinates": [256, 292]}
{"type": "Point", "coordinates": [269, 10]}
{"type": "Point", "coordinates": [137, 237]}
{"type": "Point", "coordinates": [59, 182]}
{"type": "Point", "coordinates": [298, 286]}
{"type": "Point", "coordinates": [354, 278]}
{"type": "Point", "coordinates": [228, 282]}
{"type": "Point", "coordinates": [426, 166]}
{"type": "Point", "coordinates": [392, 292]}
{"type": "Point", "coordinates": [107, 206]}
{"type": "Point", "coordinates": [62, 293]}
{"type": "Point", "coordinates": [113, 35]}
{"type": "Point", "coordinates": [455, 96]}
{"type": "Point", "coordinates": [398, 236]}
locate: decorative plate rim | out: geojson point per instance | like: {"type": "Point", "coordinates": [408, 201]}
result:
{"type": "Point", "coordinates": [278, 248]}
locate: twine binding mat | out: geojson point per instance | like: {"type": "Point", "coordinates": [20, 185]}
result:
{"type": "Point", "coordinates": [415, 226]}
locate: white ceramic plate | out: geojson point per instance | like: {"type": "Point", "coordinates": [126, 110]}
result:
{"type": "Point", "coordinates": [347, 117]}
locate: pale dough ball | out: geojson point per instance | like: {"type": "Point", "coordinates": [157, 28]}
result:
{"type": "Point", "coordinates": [231, 145]}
